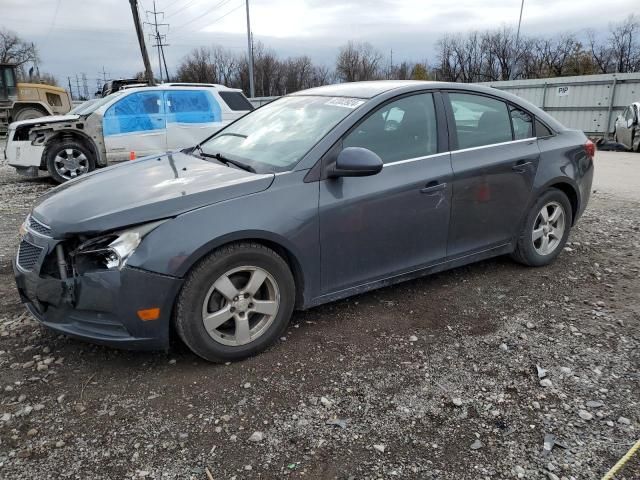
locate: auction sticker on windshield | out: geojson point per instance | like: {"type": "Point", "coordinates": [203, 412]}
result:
{"type": "Point", "coordinates": [345, 102]}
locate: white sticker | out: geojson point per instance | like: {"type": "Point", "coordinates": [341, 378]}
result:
{"type": "Point", "coordinates": [563, 91]}
{"type": "Point", "coordinates": [345, 102]}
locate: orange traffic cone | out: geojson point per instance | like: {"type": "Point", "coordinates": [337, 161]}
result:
{"type": "Point", "coordinates": [132, 155]}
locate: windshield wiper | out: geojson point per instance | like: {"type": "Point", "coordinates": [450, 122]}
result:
{"type": "Point", "coordinates": [227, 161]}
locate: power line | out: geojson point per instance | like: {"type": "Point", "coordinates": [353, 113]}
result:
{"type": "Point", "coordinates": [180, 9]}
{"type": "Point", "coordinates": [205, 13]}
{"type": "Point", "coordinates": [216, 20]}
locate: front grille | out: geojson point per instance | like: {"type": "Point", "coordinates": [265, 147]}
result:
{"type": "Point", "coordinates": [28, 255]}
{"type": "Point", "coordinates": [38, 227]}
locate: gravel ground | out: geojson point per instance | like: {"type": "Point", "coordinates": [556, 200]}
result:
{"type": "Point", "coordinates": [461, 375]}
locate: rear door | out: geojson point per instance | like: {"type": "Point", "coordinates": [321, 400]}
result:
{"type": "Point", "coordinates": [192, 116]}
{"type": "Point", "coordinates": [494, 165]}
{"type": "Point", "coordinates": [135, 123]}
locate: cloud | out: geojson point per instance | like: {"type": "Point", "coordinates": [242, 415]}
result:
{"type": "Point", "coordinates": [86, 35]}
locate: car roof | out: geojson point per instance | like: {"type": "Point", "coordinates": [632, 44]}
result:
{"type": "Point", "coordinates": [370, 89]}
{"type": "Point", "coordinates": [182, 86]}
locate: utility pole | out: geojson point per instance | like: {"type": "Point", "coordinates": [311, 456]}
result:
{"type": "Point", "coordinates": [70, 89]}
{"type": "Point", "coordinates": [143, 47]}
{"type": "Point", "coordinates": [85, 86]}
{"type": "Point", "coordinates": [515, 51]}
{"type": "Point", "coordinates": [158, 38]}
{"type": "Point", "coordinates": [78, 87]}
{"type": "Point", "coordinates": [391, 65]}
{"type": "Point", "coordinates": [252, 91]}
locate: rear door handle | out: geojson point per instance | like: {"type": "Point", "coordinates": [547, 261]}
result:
{"type": "Point", "coordinates": [433, 187]}
{"type": "Point", "coordinates": [521, 166]}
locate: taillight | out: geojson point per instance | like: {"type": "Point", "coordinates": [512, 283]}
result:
{"type": "Point", "coordinates": [590, 148]}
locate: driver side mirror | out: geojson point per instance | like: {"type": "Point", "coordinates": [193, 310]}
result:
{"type": "Point", "coordinates": [355, 162]}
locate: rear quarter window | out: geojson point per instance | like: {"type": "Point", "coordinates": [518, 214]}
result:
{"type": "Point", "coordinates": [542, 130]}
{"type": "Point", "coordinates": [236, 101]}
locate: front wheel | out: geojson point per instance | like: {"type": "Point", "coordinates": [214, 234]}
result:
{"type": "Point", "coordinates": [545, 230]}
{"type": "Point", "coordinates": [68, 160]}
{"type": "Point", "coordinates": [235, 302]}
{"type": "Point", "coordinates": [29, 114]}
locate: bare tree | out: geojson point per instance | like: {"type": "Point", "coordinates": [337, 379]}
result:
{"type": "Point", "coordinates": [17, 51]}
{"type": "Point", "coordinates": [358, 61]}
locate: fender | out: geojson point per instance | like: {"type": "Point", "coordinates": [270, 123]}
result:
{"type": "Point", "coordinates": [52, 134]}
{"type": "Point", "coordinates": [18, 105]}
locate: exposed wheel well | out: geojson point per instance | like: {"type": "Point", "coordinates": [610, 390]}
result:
{"type": "Point", "coordinates": [571, 194]}
{"type": "Point", "coordinates": [68, 136]}
{"type": "Point", "coordinates": [285, 253]}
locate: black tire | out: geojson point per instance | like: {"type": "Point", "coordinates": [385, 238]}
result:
{"type": "Point", "coordinates": [526, 251]}
{"type": "Point", "coordinates": [28, 114]}
{"type": "Point", "coordinates": [61, 149]}
{"type": "Point", "coordinates": [189, 307]}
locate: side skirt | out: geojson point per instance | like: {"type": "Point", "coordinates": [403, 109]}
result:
{"type": "Point", "coordinates": [385, 282]}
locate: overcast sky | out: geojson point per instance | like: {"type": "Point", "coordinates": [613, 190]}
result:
{"type": "Point", "coordinates": [76, 36]}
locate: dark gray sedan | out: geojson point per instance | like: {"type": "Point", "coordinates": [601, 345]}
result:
{"type": "Point", "coordinates": [317, 196]}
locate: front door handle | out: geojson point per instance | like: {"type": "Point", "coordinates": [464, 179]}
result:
{"type": "Point", "coordinates": [521, 166]}
{"type": "Point", "coordinates": [433, 187]}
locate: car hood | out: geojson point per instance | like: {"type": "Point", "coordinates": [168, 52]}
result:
{"type": "Point", "coordinates": [47, 119]}
{"type": "Point", "coordinates": [140, 191]}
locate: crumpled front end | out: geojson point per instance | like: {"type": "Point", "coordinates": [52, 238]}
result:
{"type": "Point", "coordinates": [22, 153]}
{"type": "Point", "coordinates": [123, 307]}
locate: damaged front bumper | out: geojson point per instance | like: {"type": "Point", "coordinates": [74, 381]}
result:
{"type": "Point", "coordinates": [101, 306]}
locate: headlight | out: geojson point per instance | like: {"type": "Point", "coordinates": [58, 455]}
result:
{"type": "Point", "coordinates": [110, 251]}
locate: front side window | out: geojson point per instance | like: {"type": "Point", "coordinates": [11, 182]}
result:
{"type": "Point", "coordinates": [192, 106]}
{"type": "Point", "coordinates": [399, 130]}
{"type": "Point", "coordinates": [138, 112]}
{"type": "Point", "coordinates": [480, 120]}
{"type": "Point", "coordinates": [522, 124]}
{"type": "Point", "coordinates": [274, 138]}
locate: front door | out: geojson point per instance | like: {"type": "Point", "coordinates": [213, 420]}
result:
{"type": "Point", "coordinates": [192, 116]}
{"type": "Point", "coordinates": [135, 123]}
{"type": "Point", "coordinates": [396, 221]}
{"type": "Point", "coordinates": [494, 166]}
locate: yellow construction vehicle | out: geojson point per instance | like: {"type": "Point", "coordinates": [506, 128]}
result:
{"type": "Point", "coordinates": [24, 101]}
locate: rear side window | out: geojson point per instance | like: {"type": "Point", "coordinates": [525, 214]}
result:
{"type": "Point", "coordinates": [399, 130]}
{"type": "Point", "coordinates": [54, 99]}
{"type": "Point", "coordinates": [192, 106]}
{"type": "Point", "coordinates": [235, 100]}
{"type": "Point", "coordinates": [138, 112]}
{"type": "Point", "coordinates": [522, 124]}
{"type": "Point", "coordinates": [542, 130]}
{"type": "Point", "coordinates": [480, 120]}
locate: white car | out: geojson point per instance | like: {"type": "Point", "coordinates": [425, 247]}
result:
{"type": "Point", "coordinates": [627, 130]}
{"type": "Point", "coordinates": [127, 124]}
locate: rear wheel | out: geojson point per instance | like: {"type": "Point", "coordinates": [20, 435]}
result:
{"type": "Point", "coordinates": [28, 114]}
{"type": "Point", "coordinates": [235, 303]}
{"type": "Point", "coordinates": [545, 231]}
{"type": "Point", "coordinates": [68, 160]}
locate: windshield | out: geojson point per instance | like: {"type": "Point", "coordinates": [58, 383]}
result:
{"type": "Point", "coordinates": [275, 137]}
{"type": "Point", "coordinates": [91, 106]}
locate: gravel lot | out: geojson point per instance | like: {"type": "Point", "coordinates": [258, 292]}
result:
{"type": "Point", "coordinates": [432, 379]}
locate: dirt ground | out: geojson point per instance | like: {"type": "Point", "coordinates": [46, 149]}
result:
{"type": "Point", "coordinates": [432, 379]}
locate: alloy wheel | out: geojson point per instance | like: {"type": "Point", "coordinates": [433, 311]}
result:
{"type": "Point", "coordinates": [548, 228]}
{"type": "Point", "coordinates": [241, 305]}
{"type": "Point", "coordinates": [70, 162]}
